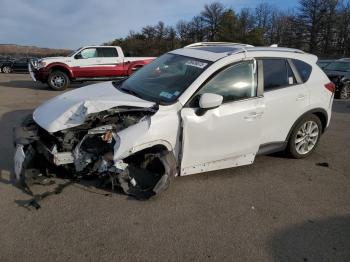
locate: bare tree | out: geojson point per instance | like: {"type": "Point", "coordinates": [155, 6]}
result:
{"type": "Point", "coordinates": [319, 26]}
{"type": "Point", "coordinates": [263, 15]}
{"type": "Point", "coordinates": [212, 15]}
{"type": "Point", "coordinates": [343, 29]}
{"type": "Point", "coordinates": [149, 32]}
{"type": "Point", "coordinates": [246, 23]}
{"type": "Point", "coordinates": [228, 27]}
{"type": "Point", "coordinates": [183, 30]}
{"type": "Point", "coordinates": [197, 29]}
{"type": "Point", "coordinates": [311, 14]}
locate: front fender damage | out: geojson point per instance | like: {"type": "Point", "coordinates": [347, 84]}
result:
{"type": "Point", "coordinates": [89, 151]}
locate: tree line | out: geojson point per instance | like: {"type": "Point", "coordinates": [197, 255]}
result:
{"type": "Point", "coordinates": [321, 27]}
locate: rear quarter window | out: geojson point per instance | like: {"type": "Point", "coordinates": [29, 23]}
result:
{"type": "Point", "coordinates": [304, 69]}
{"type": "Point", "coordinates": [277, 74]}
{"type": "Point", "coordinates": [107, 52]}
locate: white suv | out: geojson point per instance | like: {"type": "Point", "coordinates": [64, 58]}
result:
{"type": "Point", "coordinates": [204, 107]}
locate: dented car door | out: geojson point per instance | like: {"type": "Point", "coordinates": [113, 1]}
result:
{"type": "Point", "coordinates": [229, 135]}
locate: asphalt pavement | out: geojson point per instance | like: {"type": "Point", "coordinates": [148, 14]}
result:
{"type": "Point", "coordinates": [278, 209]}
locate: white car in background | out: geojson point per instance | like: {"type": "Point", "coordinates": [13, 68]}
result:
{"type": "Point", "coordinates": [204, 107]}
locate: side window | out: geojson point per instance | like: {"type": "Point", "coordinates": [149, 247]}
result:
{"type": "Point", "coordinates": [89, 53]}
{"type": "Point", "coordinates": [277, 74]}
{"type": "Point", "coordinates": [233, 83]}
{"type": "Point", "coordinates": [303, 68]}
{"type": "Point", "coordinates": [107, 52]}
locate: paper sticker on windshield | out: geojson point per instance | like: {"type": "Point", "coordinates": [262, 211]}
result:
{"type": "Point", "coordinates": [166, 95]}
{"type": "Point", "coordinates": [196, 64]}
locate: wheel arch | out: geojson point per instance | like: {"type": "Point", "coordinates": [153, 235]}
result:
{"type": "Point", "coordinates": [60, 67]}
{"type": "Point", "coordinates": [156, 148]}
{"type": "Point", "coordinates": [319, 112]}
{"type": "Point", "coordinates": [134, 66]}
{"type": "Point", "coordinates": [164, 165]}
{"type": "Point", "coordinates": [156, 145]}
{"type": "Point", "coordinates": [159, 146]}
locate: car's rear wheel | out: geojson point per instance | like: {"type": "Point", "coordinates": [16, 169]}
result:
{"type": "Point", "coordinates": [58, 80]}
{"type": "Point", "coordinates": [305, 137]}
{"type": "Point", "coordinates": [6, 69]}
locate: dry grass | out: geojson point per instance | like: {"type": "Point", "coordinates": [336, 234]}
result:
{"type": "Point", "coordinates": [29, 51]}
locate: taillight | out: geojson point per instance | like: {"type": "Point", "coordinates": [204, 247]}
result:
{"type": "Point", "coordinates": [330, 86]}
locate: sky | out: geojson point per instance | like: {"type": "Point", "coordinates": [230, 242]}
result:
{"type": "Point", "coordinates": [74, 23]}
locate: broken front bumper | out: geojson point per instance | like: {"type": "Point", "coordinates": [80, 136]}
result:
{"type": "Point", "coordinates": [38, 74]}
{"type": "Point", "coordinates": [143, 175]}
{"type": "Point", "coordinates": [19, 160]}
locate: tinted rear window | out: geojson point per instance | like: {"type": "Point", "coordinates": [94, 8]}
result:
{"type": "Point", "coordinates": [304, 69]}
{"type": "Point", "coordinates": [107, 52]}
{"type": "Point", "coordinates": [277, 74]}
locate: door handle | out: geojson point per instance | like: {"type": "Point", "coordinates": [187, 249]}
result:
{"type": "Point", "coordinates": [300, 97]}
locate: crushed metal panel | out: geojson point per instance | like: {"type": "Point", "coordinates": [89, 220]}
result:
{"type": "Point", "coordinates": [71, 109]}
{"type": "Point", "coordinates": [63, 158]}
{"type": "Point", "coordinates": [79, 152]}
{"type": "Point", "coordinates": [18, 160]}
{"type": "Point", "coordinates": [161, 128]}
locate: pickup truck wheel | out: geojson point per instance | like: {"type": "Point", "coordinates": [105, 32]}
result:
{"type": "Point", "coordinates": [6, 69]}
{"type": "Point", "coordinates": [58, 80]}
{"type": "Point", "coordinates": [305, 137]}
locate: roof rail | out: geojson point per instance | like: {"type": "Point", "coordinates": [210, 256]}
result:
{"type": "Point", "coordinates": [216, 44]}
{"type": "Point", "coordinates": [279, 49]}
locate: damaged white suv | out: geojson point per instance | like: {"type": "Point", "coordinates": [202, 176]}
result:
{"type": "Point", "coordinates": [204, 107]}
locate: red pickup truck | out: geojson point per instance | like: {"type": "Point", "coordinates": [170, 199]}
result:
{"type": "Point", "coordinates": [85, 64]}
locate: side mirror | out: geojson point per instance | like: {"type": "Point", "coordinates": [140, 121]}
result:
{"type": "Point", "coordinates": [78, 56]}
{"type": "Point", "coordinates": [209, 101]}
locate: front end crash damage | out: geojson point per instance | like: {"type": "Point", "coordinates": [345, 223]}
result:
{"type": "Point", "coordinates": [88, 150]}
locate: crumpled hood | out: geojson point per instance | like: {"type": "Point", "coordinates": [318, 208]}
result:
{"type": "Point", "coordinates": [71, 108]}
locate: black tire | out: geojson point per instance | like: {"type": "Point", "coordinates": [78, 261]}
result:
{"type": "Point", "coordinates": [305, 143]}
{"type": "Point", "coordinates": [149, 181]}
{"type": "Point", "coordinates": [345, 91]}
{"type": "Point", "coordinates": [58, 80]}
{"type": "Point", "coordinates": [6, 69]}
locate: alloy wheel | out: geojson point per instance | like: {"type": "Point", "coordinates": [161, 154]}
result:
{"type": "Point", "coordinates": [6, 69]}
{"type": "Point", "coordinates": [58, 81]}
{"type": "Point", "coordinates": [306, 137]}
{"type": "Point", "coordinates": [345, 92]}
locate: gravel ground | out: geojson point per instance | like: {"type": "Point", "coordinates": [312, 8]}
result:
{"type": "Point", "coordinates": [277, 209]}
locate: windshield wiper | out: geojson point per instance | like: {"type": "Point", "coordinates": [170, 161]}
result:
{"type": "Point", "coordinates": [117, 83]}
{"type": "Point", "coordinates": [128, 91]}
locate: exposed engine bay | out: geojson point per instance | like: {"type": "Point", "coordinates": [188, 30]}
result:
{"type": "Point", "coordinates": [88, 150]}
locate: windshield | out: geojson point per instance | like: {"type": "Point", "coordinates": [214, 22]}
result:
{"type": "Point", "coordinates": [338, 66]}
{"type": "Point", "coordinates": [165, 79]}
{"type": "Point", "coordinates": [73, 52]}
